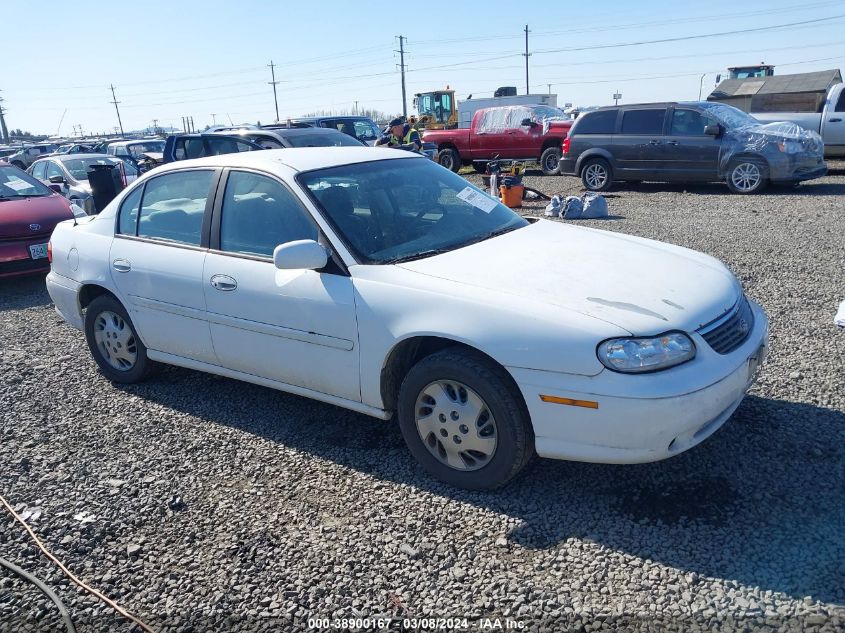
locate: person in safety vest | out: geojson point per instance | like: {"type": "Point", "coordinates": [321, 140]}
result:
{"type": "Point", "coordinates": [401, 136]}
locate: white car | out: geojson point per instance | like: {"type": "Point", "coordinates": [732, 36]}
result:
{"type": "Point", "coordinates": [378, 281]}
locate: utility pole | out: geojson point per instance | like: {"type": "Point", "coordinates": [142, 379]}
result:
{"type": "Point", "coordinates": [356, 107]}
{"type": "Point", "coordinates": [701, 85]}
{"type": "Point", "coordinates": [274, 83]}
{"type": "Point", "coordinates": [155, 125]}
{"type": "Point", "coordinates": [213, 119]}
{"type": "Point", "coordinates": [401, 52]}
{"type": "Point", "coordinates": [193, 128]}
{"type": "Point", "coordinates": [4, 133]}
{"type": "Point", "coordinates": [550, 88]}
{"type": "Point", "coordinates": [526, 54]}
{"type": "Point", "coordinates": [115, 102]}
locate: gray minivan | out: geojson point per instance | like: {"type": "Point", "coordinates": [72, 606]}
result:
{"type": "Point", "coordinates": [688, 142]}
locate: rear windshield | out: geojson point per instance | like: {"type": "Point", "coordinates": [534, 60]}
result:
{"type": "Point", "coordinates": [79, 167]}
{"type": "Point", "coordinates": [599, 122]}
{"type": "Point", "coordinates": [322, 140]}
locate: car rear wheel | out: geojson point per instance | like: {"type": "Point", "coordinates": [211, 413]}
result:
{"type": "Point", "coordinates": [464, 420]}
{"type": "Point", "coordinates": [746, 176]}
{"type": "Point", "coordinates": [450, 159]}
{"type": "Point", "coordinates": [114, 343]}
{"type": "Point", "coordinates": [597, 175]}
{"type": "Point", "coordinates": [550, 161]}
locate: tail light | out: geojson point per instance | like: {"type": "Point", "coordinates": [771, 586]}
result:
{"type": "Point", "coordinates": [50, 252]}
{"type": "Point", "coordinates": [565, 146]}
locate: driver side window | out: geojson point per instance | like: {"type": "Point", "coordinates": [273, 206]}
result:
{"type": "Point", "coordinates": [54, 170]}
{"type": "Point", "coordinates": [259, 213]}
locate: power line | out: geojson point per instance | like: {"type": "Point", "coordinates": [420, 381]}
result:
{"type": "Point", "coordinates": [274, 83]}
{"type": "Point", "coordinates": [115, 102]}
{"type": "Point", "coordinates": [688, 37]}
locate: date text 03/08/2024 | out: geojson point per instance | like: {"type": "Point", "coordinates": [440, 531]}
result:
{"type": "Point", "coordinates": [415, 624]}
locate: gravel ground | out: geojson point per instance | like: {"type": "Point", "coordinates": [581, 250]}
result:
{"type": "Point", "coordinates": [202, 503]}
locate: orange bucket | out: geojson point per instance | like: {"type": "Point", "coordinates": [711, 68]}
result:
{"type": "Point", "coordinates": [511, 196]}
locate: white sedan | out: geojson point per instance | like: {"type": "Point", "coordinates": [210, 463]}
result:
{"type": "Point", "coordinates": [378, 281]}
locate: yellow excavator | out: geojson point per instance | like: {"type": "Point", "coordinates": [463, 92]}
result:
{"type": "Point", "coordinates": [436, 110]}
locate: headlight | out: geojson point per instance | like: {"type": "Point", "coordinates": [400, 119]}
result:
{"type": "Point", "coordinates": [635, 355]}
{"type": "Point", "coordinates": [78, 212]}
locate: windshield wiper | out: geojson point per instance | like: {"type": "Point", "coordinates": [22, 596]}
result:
{"type": "Point", "coordinates": [420, 255]}
{"type": "Point", "coordinates": [497, 232]}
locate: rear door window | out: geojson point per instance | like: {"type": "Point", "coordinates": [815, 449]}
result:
{"type": "Point", "coordinates": [128, 220]}
{"type": "Point", "coordinates": [601, 122]}
{"type": "Point", "coordinates": [643, 122]}
{"type": "Point", "coordinates": [174, 205]}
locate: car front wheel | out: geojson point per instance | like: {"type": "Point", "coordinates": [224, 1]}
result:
{"type": "Point", "coordinates": [596, 175]}
{"type": "Point", "coordinates": [746, 176]}
{"type": "Point", "coordinates": [114, 343]}
{"type": "Point", "coordinates": [464, 420]}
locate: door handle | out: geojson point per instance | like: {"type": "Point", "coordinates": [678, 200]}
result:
{"type": "Point", "coordinates": [121, 265]}
{"type": "Point", "coordinates": [224, 283]}
{"type": "Point", "coordinates": [672, 143]}
{"type": "Point", "coordinates": [836, 120]}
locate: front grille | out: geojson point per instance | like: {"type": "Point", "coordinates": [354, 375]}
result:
{"type": "Point", "coordinates": [728, 332]}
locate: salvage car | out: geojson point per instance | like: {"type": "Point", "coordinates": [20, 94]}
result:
{"type": "Point", "coordinates": [689, 142]}
{"type": "Point", "coordinates": [70, 172]}
{"type": "Point", "coordinates": [378, 281]}
{"type": "Point", "coordinates": [28, 213]}
{"type": "Point", "coordinates": [521, 132]}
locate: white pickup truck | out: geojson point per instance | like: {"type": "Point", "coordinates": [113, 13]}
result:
{"type": "Point", "coordinates": [829, 123]}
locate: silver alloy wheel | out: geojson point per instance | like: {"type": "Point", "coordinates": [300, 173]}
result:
{"type": "Point", "coordinates": [595, 175]}
{"type": "Point", "coordinates": [456, 425]}
{"type": "Point", "coordinates": [746, 176]}
{"type": "Point", "coordinates": [115, 340]}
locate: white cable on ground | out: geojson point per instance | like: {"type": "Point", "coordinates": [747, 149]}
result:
{"type": "Point", "coordinates": [70, 574]}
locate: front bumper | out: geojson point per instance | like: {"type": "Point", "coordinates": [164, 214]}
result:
{"type": "Point", "coordinates": [15, 258]}
{"type": "Point", "coordinates": [641, 418]}
{"type": "Point", "coordinates": [796, 168]}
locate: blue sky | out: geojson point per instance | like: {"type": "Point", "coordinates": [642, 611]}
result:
{"type": "Point", "coordinates": [185, 57]}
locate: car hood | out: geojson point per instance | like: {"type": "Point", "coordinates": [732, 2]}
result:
{"type": "Point", "coordinates": [639, 285]}
{"type": "Point", "coordinates": [18, 215]}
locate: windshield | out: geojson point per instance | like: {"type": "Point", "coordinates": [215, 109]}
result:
{"type": "Point", "coordinates": [322, 140]}
{"type": "Point", "coordinates": [79, 167]}
{"type": "Point", "coordinates": [16, 184]}
{"type": "Point", "coordinates": [393, 210]}
{"type": "Point", "coordinates": [732, 117]}
{"type": "Point", "coordinates": [136, 149]}
{"type": "Point", "coordinates": [542, 112]}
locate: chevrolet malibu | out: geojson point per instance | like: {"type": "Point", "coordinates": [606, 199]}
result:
{"type": "Point", "coordinates": [378, 281]}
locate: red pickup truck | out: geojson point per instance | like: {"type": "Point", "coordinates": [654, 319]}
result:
{"type": "Point", "coordinates": [531, 132]}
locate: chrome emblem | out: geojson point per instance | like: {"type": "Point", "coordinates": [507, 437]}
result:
{"type": "Point", "coordinates": [743, 326]}
{"type": "Point", "coordinates": [34, 227]}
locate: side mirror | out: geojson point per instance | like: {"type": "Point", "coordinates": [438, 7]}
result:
{"type": "Point", "coordinates": [714, 129]}
{"type": "Point", "coordinates": [301, 254]}
{"type": "Point", "coordinates": [57, 180]}
{"type": "Point", "coordinates": [56, 187]}
{"type": "Point", "coordinates": [527, 123]}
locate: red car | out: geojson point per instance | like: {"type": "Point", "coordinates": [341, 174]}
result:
{"type": "Point", "coordinates": [29, 211]}
{"type": "Point", "coordinates": [524, 132]}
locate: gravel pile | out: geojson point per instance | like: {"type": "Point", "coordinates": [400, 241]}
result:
{"type": "Point", "coordinates": [202, 503]}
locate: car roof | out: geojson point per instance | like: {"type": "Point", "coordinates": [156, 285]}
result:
{"type": "Point", "coordinates": [298, 159]}
{"type": "Point", "coordinates": [64, 157]}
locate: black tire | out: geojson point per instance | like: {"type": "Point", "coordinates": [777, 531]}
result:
{"type": "Point", "coordinates": [741, 173]}
{"type": "Point", "coordinates": [142, 366]}
{"type": "Point", "coordinates": [449, 158]}
{"type": "Point", "coordinates": [502, 401]}
{"type": "Point", "coordinates": [480, 166]}
{"type": "Point", "coordinates": [550, 161]}
{"type": "Point", "coordinates": [591, 175]}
